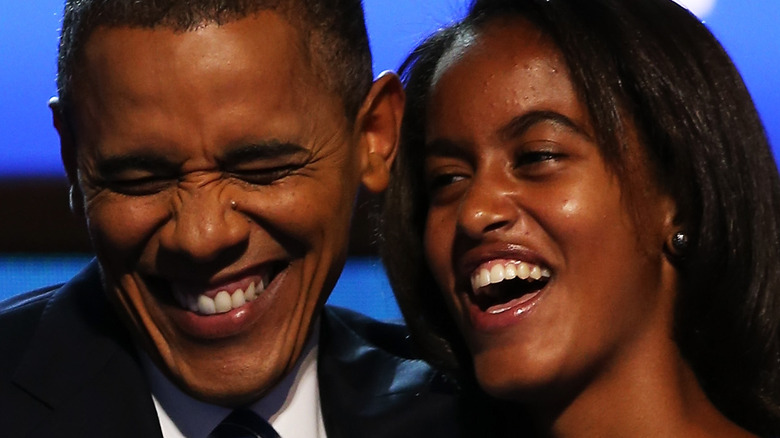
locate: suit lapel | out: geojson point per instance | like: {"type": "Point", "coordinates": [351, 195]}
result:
{"type": "Point", "coordinates": [81, 370]}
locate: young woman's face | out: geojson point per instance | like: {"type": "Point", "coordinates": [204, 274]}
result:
{"type": "Point", "coordinates": [551, 276]}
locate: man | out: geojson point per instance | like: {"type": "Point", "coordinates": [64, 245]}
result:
{"type": "Point", "coordinates": [215, 149]}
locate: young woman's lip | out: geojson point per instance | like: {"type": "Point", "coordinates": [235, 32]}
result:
{"type": "Point", "coordinates": [487, 321]}
{"type": "Point", "coordinates": [514, 303]}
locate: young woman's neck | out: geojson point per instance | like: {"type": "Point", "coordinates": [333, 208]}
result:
{"type": "Point", "coordinates": [654, 394]}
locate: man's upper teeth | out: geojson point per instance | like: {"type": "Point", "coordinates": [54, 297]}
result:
{"type": "Point", "coordinates": [223, 301]}
{"type": "Point", "coordinates": [508, 271]}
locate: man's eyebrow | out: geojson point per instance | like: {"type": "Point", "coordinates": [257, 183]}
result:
{"type": "Point", "coordinates": [262, 151]}
{"type": "Point", "coordinates": [114, 166]}
{"type": "Point", "coordinates": [520, 124]}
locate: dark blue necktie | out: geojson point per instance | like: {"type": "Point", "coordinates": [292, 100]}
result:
{"type": "Point", "coordinates": [243, 423]}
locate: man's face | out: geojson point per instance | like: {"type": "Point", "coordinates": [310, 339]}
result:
{"type": "Point", "coordinates": [217, 176]}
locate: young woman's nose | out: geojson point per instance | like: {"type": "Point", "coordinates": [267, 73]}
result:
{"type": "Point", "coordinates": [487, 206]}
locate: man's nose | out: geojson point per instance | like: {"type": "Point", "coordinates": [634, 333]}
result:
{"type": "Point", "coordinates": [487, 207]}
{"type": "Point", "coordinates": [205, 224]}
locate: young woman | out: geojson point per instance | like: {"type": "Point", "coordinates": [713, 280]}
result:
{"type": "Point", "coordinates": [585, 220]}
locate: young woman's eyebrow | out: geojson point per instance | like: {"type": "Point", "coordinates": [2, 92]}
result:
{"type": "Point", "coordinates": [522, 123]}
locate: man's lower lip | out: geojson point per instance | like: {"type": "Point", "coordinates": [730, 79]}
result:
{"type": "Point", "coordinates": [217, 326]}
{"type": "Point", "coordinates": [502, 316]}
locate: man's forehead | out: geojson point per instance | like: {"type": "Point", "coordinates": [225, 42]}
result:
{"type": "Point", "coordinates": [226, 68]}
{"type": "Point", "coordinates": [164, 55]}
{"type": "Point", "coordinates": [311, 32]}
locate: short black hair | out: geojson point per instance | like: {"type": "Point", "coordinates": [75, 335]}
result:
{"type": "Point", "coordinates": [334, 31]}
{"type": "Point", "coordinates": [655, 65]}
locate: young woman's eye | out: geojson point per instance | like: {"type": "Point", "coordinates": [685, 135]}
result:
{"type": "Point", "coordinates": [536, 157]}
{"type": "Point", "coordinates": [445, 186]}
{"type": "Point", "coordinates": [443, 180]}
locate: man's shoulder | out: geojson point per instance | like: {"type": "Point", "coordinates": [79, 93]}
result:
{"type": "Point", "coordinates": [23, 314]}
{"type": "Point", "coordinates": [27, 300]}
{"type": "Point", "coordinates": [64, 357]}
{"type": "Point", "coordinates": [20, 308]}
{"type": "Point", "coordinates": [372, 383]}
{"type": "Point", "coordinates": [389, 336]}
{"type": "Point", "coordinates": [19, 316]}
{"type": "Point", "coordinates": [382, 350]}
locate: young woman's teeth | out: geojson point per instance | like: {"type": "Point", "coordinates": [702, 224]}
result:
{"type": "Point", "coordinates": [508, 271]}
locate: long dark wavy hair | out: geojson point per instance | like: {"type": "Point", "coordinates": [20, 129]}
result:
{"type": "Point", "coordinates": [655, 63]}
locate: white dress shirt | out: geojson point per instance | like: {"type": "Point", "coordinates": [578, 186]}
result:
{"type": "Point", "coordinates": [292, 407]}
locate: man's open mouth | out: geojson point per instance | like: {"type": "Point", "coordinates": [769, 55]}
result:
{"type": "Point", "coordinates": [224, 300]}
{"type": "Point", "coordinates": [498, 286]}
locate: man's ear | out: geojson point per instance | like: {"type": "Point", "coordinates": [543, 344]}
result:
{"type": "Point", "coordinates": [379, 125]}
{"type": "Point", "coordinates": [69, 156]}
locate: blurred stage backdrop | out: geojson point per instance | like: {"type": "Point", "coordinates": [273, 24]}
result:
{"type": "Point", "coordinates": [40, 243]}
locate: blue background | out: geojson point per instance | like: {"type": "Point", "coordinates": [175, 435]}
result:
{"type": "Point", "coordinates": [29, 146]}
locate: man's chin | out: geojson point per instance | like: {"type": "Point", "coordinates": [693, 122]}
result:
{"type": "Point", "coordinates": [227, 397]}
{"type": "Point", "coordinates": [226, 388]}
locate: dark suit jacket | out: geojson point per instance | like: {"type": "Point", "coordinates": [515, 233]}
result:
{"type": "Point", "coordinates": [69, 369]}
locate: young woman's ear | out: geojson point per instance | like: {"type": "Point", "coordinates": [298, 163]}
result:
{"type": "Point", "coordinates": [379, 122]}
